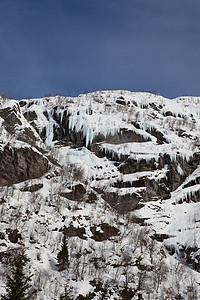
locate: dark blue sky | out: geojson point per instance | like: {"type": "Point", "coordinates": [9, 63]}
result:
{"type": "Point", "coordinates": [70, 46]}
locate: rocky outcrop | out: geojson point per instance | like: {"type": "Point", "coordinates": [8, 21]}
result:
{"type": "Point", "coordinates": [77, 193]}
{"type": "Point", "coordinates": [153, 189]}
{"type": "Point", "coordinates": [74, 231]}
{"type": "Point", "coordinates": [11, 116]}
{"type": "Point", "coordinates": [32, 188]}
{"type": "Point", "coordinates": [14, 236]}
{"type": "Point", "coordinates": [14, 123]}
{"type": "Point", "coordinates": [119, 165]}
{"type": "Point", "coordinates": [122, 203]}
{"type": "Point", "coordinates": [187, 254]}
{"type": "Point", "coordinates": [19, 164]}
{"type": "Point", "coordinates": [103, 232]}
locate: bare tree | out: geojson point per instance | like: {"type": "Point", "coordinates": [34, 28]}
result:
{"type": "Point", "coordinates": [192, 289]}
{"type": "Point", "coordinates": [159, 273]}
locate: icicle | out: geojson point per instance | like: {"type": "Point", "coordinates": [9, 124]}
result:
{"type": "Point", "coordinates": [61, 116]}
{"type": "Point", "coordinates": [49, 130]}
{"type": "Point", "coordinates": [180, 171]}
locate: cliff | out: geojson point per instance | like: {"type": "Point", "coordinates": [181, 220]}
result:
{"type": "Point", "coordinates": [118, 173]}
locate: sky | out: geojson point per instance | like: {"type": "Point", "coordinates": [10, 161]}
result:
{"type": "Point", "coordinates": [68, 47]}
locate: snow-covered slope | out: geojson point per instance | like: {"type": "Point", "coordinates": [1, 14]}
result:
{"type": "Point", "coordinates": [118, 173]}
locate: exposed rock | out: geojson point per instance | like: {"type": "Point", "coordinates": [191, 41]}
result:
{"type": "Point", "coordinates": [121, 101]}
{"type": "Point", "coordinates": [91, 198]}
{"type": "Point", "coordinates": [11, 118]}
{"type": "Point", "coordinates": [174, 179]}
{"type": "Point", "coordinates": [192, 258]}
{"type": "Point", "coordinates": [14, 236]}
{"type": "Point", "coordinates": [123, 136]}
{"type": "Point", "coordinates": [131, 165]}
{"type": "Point", "coordinates": [104, 232]}
{"type": "Point", "coordinates": [28, 136]}
{"type": "Point", "coordinates": [77, 193]}
{"type": "Point", "coordinates": [89, 296]}
{"type": "Point", "coordinates": [74, 231]}
{"type": "Point", "coordinates": [158, 134]}
{"type": "Point", "coordinates": [153, 189]}
{"type": "Point", "coordinates": [161, 237]}
{"type": "Point", "coordinates": [13, 124]}
{"type": "Point", "coordinates": [30, 115]}
{"type": "Point", "coordinates": [22, 103]}
{"type": "Point", "coordinates": [19, 164]}
{"type": "Point", "coordinates": [122, 203]}
{"type": "Point", "coordinates": [127, 294]}
{"type": "Point", "coordinates": [2, 236]}
{"type": "Point", "coordinates": [32, 188]}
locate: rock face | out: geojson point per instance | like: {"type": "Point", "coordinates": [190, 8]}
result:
{"type": "Point", "coordinates": [122, 203]}
{"type": "Point", "coordinates": [11, 116]}
{"type": "Point", "coordinates": [17, 165]}
{"type": "Point", "coordinates": [19, 158]}
{"type": "Point", "coordinates": [77, 193]}
{"type": "Point", "coordinates": [63, 122]}
{"type": "Point", "coordinates": [104, 232]}
{"type": "Point", "coordinates": [113, 171]}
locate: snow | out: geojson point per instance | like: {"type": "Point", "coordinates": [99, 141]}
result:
{"type": "Point", "coordinates": [147, 150]}
{"type": "Point", "coordinates": [152, 175]}
{"type": "Point", "coordinates": [83, 158]}
{"type": "Point", "coordinates": [180, 171]}
{"type": "Point", "coordinates": [40, 216]}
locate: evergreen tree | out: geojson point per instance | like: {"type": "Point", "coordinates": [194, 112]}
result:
{"type": "Point", "coordinates": [63, 256]}
{"type": "Point", "coordinates": [17, 282]}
